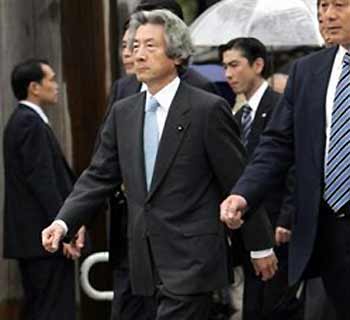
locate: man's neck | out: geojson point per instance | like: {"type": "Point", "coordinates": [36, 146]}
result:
{"type": "Point", "coordinates": [156, 86]}
{"type": "Point", "coordinates": [257, 83]}
{"type": "Point", "coordinates": [34, 101]}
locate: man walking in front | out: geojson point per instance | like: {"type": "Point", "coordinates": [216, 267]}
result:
{"type": "Point", "coordinates": [176, 150]}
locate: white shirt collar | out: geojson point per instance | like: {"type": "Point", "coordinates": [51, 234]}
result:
{"type": "Point", "coordinates": [255, 99]}
{"type": "Point", "coordinates": [331, 89]}
{"type": "Point", "coordinates": [341, 51]}
{"type": "Point", "coordinates": [37, 109]}
{"type": "Point", "coordinates": [166, 95]}
{"type": "Point", "coordinates": [143, 87]}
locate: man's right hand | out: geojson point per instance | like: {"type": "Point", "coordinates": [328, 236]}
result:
{"type": "Point", "coordinates": [231, 211]}
{"type": "Point", "coordinates": [51, 236]}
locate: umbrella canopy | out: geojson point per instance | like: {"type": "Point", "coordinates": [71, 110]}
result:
{"type": "Point", "coordinates": [213, 72]}
{"type": "Point", "coordinates": [284, 23]}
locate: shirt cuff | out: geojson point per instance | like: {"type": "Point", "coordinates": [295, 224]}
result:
{"type": "Point", "coordinates": [261, 253]}
{"type": "Point", "coordinates": [63, 225]}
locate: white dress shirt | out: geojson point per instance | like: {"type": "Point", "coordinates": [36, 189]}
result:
{"type": "Point", "coordinates": [165, 98]}
{"type": "Point", "coordinates": [255, 99]}
{"type": "Point", "coordinates": [37, 109]}
{"type": "Point", "coordinates": [332, 86]}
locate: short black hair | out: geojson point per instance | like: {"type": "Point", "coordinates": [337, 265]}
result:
{"type": "Point", "coordinates": [171, 5]}
{"type": "Point", "coordinates": [24, 73]}
{"type": "Point", "coordinates": [251, 49]}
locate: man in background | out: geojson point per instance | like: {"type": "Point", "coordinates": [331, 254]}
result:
{"type": "Point", "coordinates": [310, 130]}
{"type": "Point", "coordinates": [246, 68]}
{"type": "Point", "coordinates": [37, 181]}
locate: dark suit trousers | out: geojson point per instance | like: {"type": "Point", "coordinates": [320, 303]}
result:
{"type": "Point", "coordinates": [274, 299]}
{"type": "Point", "coordinates": [48, 285]}
{"type": "Point", "coordinates": [173, 307]}
{"type": "Point", "coordinates": [162, 306]}
{"type": "Point", "coordinates": [125, 304]}
{"type": "Point", "coordinates": [332, 255]}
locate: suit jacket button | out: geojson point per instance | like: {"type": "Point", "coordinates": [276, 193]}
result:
{"type": "Point", "coordinates": [148, 207]}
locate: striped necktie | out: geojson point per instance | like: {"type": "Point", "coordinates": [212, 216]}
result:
{"type": "Point", "coordinates": [246, 122]}
{"type": "Point", "coordinates": [150, 138]}
{"type": "Point", "coordinates": [337, 169]}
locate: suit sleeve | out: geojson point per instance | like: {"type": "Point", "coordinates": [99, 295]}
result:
{"type": "Point", "coordinates": [35, 149]}
{"type": "Point", "coordinates": [274, 155]}
{"type": "Point", "coordinates": [224, 148]}
{"type": "Point", "coordinates": [227, 157]}
{"type": "Point", "coordinates": [97, 182]}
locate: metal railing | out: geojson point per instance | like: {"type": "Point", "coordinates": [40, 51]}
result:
{"type": "Point", "coordinates": [84, 277]}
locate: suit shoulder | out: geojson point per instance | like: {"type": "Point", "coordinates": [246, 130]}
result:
{"type": "Point", "coordinates": [23, 118]}
{"type": "Point", "coordinates": [318, 56]}
{"type": "Point", "coordinates": [203, 97]}
{"type": "Point", "coordinates": [128, 103]}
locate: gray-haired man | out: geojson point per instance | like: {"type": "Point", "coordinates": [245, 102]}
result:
{"type": "Point", "coordinates": [176, 150]}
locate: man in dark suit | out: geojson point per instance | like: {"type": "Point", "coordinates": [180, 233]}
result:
{"type": "Point", "coordinates": [246, 66]}
{"type": "Point", "coordinates": [126, 305]}
{"type": "Point", "coordinates": [176, 150]}
{"type": "Point", "coordinates": [37, 180]}
{"type": "Point", "coordinates": [309, 129]}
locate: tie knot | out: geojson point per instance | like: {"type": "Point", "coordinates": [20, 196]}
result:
{"type": "Point", "coordinates": [152, 105]}
{"type": "Point", "coordinates": [347, 58]}
{"type": "Point", "coordinates": [247, 109]}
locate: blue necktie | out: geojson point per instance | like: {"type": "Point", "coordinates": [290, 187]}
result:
{"type": "Point", "coordinates": [337, 169]}
{"type": "Point", "coordinates": [150, 138]}
{"type": "Point", "coordinates": [246, 123]}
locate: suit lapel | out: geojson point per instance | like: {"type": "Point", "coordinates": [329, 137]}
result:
{"type": "Point", "coordinates": [133, 125]}
{"type": "Point", "coordinates": [176, 124]}
{"type": "Point", "coordinates": [317, 109]}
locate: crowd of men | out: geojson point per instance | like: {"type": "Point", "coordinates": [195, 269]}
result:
{"type": "Point", "coordinates": [193, 189]}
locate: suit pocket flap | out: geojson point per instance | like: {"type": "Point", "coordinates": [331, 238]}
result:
{"type": "Point", "coordinates": [200, 227]}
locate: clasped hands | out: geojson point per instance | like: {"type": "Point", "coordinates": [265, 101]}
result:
{"type": "Point", "coordinates": [231, 212]}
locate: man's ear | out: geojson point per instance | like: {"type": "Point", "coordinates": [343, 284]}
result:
{"type": "Point", "coordinates": [258, 65]}
{"type": "Point", "coordinates": [33, 88]}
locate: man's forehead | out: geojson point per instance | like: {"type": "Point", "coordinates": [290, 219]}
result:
{"type": "Point", "coordinates": [149, 31]}
{"type": "Point", "coordinates": [47, 69]}
{"type": "Point", "coordinates": [334, 1]}
{"type": "Point", "coordinates": [232, 54]}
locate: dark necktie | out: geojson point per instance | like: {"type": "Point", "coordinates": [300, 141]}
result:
{"type": "Point", "coordinates": [246, 122]}
{"type": "Point", "coordinates": [337, 169]}
{"type": "Point", "coordinates": [150, 138]}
